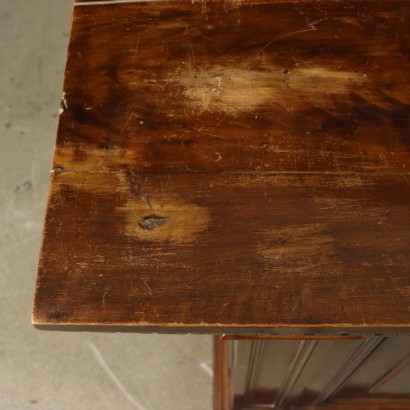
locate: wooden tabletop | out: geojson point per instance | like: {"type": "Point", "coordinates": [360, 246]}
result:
{"type": "Point", "coordinates": [234, 166]}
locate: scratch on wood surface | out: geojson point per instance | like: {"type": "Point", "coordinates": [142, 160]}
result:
{"type": "Point", "coordinates": [136, 188]}
{"type": "Point", "coordinates": [126, 123]}
{"type": "Point", "coordinates": [113, 377]}
{"type": "Point", "coordinates": [163, 190]}
{"type": "Point", "coordinates": [103, 298]}
{"type": "Point", "coordinates": [342, 308]}
{"type": "Point", "coordinates": [147, 286]}
{"type": "Point", "coordinates": [138, 43]}
{"type": "Point", "coordinates": [293, 33]}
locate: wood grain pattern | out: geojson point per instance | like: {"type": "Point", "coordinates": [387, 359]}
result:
{"type": "Point", "coordinates": [238, 167]}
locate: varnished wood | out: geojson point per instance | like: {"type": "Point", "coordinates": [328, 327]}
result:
{"type": "Point", "coordinates": [222, 387]}
{"type": "Point", "coordinates": [234, 167]}
{"type": "Point", "coordinates": [277, 337]}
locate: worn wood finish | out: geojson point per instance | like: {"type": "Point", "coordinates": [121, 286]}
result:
{"type": "Point", "coordinates": [232, 166]}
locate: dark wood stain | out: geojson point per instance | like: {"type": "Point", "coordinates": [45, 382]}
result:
{"type": "Point", "coordinates": [241, 167]}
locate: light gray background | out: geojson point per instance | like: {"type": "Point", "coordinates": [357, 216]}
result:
{"type": "Point", "coordinates": [52, 370]}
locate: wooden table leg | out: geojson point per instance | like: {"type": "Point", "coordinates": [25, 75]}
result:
{"type": "Point", "coordinates": [222, 400]}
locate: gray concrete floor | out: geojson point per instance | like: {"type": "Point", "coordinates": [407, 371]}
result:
{"type": "Point", "coordinates": [55, 370]}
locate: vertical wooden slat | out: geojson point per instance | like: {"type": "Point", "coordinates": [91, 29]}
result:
{"type": "Point", "coordinates": [221, 383]}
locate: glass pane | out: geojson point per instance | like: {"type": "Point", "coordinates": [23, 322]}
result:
{"type": "Point", "coordinates": [325, 362]}
{"type": "Point", "coordinates": [399, 385]}
{"type": "Point", "coordinates": [288, 372]}
{"type": "Point", "coordinates": [259, 369]}
{"type": "Point", "coordinates": [390, 353]}
{"type": "Point", "coordinates": [240, 365]}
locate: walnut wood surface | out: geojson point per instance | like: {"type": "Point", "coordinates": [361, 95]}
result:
{"type": "Point", "coordinates": [233, 166]}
